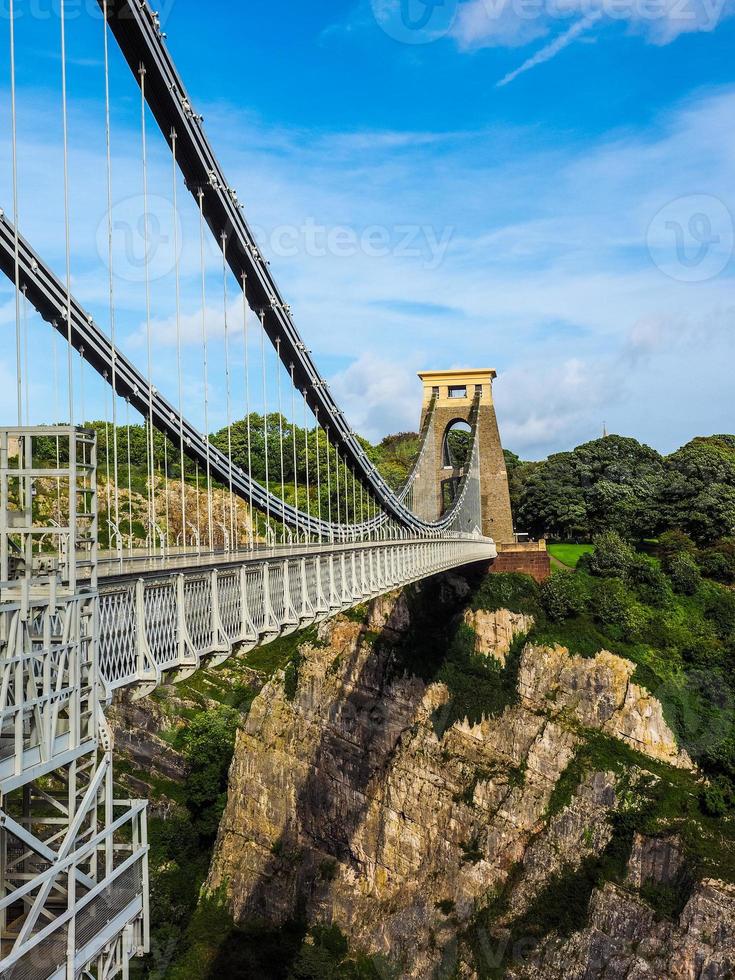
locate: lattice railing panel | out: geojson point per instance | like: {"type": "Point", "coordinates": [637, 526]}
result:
{"type": "Point", "coordinates": [117, 646]}
{"type": "Point", "coordinates": [161, 624]}
{"type": "Point", "coordinates": [228, 598]}
{"type": "Point", "coordinates": [198, 611]}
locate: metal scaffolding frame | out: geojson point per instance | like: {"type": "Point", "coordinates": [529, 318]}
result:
{"type": "Point", "coordinates": [73, 859]}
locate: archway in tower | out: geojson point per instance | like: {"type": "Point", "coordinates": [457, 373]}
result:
{"type": "Point", "coordinates": [456, 446]}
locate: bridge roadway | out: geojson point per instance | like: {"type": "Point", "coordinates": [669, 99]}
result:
{"type": "Point", "coordinates": [163, 617]}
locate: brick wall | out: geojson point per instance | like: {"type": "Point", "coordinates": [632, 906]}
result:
{"type": "Point", "coordinates": [537, 564]}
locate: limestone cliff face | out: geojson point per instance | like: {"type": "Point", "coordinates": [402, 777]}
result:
{"type": "Point", "coordinates": [345, 805]}
{"type": "Point", "coordinates": [136, 728]}
{"type": "Point", "coordinates": [600, 694]}
{"type": "Point", "coordinates": [495, 630]}
{"type": "Point", "coordinates": [623, 941]}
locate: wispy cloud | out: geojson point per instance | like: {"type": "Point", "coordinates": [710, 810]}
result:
{"type": "Point", "coordinates": [552, 49]}
{"type": "Point", "coordinates": [518, 23]}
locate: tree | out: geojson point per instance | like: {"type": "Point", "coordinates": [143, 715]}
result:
{"type": "Point", "coordinates": [208, 743]}
{"type": "Point", "coordinates": [684, 574]}
{"type": "Point", "coordinates": [608, 484]}
{"type": "Point", "coordinates": [698, 491]}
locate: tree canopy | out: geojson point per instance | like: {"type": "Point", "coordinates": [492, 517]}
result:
{"type": "Point", "coordinates": [619, 484]}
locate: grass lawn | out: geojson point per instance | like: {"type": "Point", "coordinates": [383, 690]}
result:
{"type": "Point", "coordinates": [569, 554]}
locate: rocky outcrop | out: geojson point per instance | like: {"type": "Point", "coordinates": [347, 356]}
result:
{"type": "Point", "coordinates": [654, 860]}
{"type": "Point", "coordinates": [345, 805]}
{"type": "Point", "coordinates": [496, 630]}
{"type": "Point", "coordinates": [599, 693]}
{"type": "Point", "coordinates": [136, 727]}
{"type": "Point", "coordinates": [579, 831]}
{"type": "Point", "coordinates": [623, 941]}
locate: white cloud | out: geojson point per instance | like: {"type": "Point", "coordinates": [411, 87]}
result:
{"type": "Point", "coordinates": [547, 275]}
{"type": "Point", "coordinates": [516, 23]}
{"type": "Point", "coordinates": [377, 396]}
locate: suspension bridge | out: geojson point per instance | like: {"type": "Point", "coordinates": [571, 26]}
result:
{"type": "Point", "coordinates": [133, 554]}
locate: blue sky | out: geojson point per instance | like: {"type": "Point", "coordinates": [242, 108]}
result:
{"type": "Point", "coordinates": [542, 187]}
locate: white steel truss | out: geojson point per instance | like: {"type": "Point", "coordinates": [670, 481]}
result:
{"type": "Point", "coordinates": [73, 859]}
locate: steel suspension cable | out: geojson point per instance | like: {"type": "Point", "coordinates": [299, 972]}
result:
{"type": "Point", "coordinates": [265, 425]}
{"type": "Point", "coordinates": [26, 362]}
{"type": "Point", "coordinates": [355, 520]}
{"type": "Point", "coordinates": [16, 258]}
{"type": "Point", "coordinates": [146, 277]}
{"type": "Point", "coordinates": [107, 456]}
{"type": "Point", "coordinates": [251, 541]}
{"type": "Point", "coordinates": [339, 502]}
{"type": "Point", "coordinates": [165, 485]}
{"type": "Point", "coordinates": [228, 389]}
{"type": "Point", "coordinates": [199, 523]}
{"type": "Point", "coordinates": [81, 385]}
{"type": "Point", "coordinates": [295, 454]}
{"type": "Point", "coordinates": [67, 230]}
{"type": "Point", "coordinates": [306, 457]}
{"type": "Point", "coordinates": [177, 300]}
{"type": "Point", "coordinates": [329, 488]}
{"type": "Point", "coordinates": [280, 429]}
{"type": "Point", "coordinates": [210, 518]}
{"type": "Point", "coordinates": [130, 483]}
{"type": "Point", "coordinates": [110, 260]}
{"type": "Point", "coordinates": [55, 358]}
{"type": "Point", "coordinates": [318, 468]}
{"type": "Point", "coordinates": [347, 498]}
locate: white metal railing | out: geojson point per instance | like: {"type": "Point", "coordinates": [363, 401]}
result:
{"type": "Point", "coordinates": [167, 626]}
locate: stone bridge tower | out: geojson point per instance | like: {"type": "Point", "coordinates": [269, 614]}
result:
{"type": "Point", "coordinates": [455, 392]}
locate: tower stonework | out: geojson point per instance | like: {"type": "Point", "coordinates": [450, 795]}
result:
{"type": "Point", "coordinates": [454, 394]}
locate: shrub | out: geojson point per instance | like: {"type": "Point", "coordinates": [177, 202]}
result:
{"type": "Point", "coordinates": [719, 607]}
{"type": "Point", "coordinates": [718, 562]}
{"type": "Point", "coordinates": [717, 798]}
{"type": "Point", "coordinates": [717, 566]}
{"type": "Point", "coordinates": [672, 543]}
{"type": "Point", "coordinates": [564, 594]}
{"type": "Point", "coordinates": [616, 608]}
{"type": "Point", "coordinates": [291, 677]}
{"type": "Point", "coordinates": [650, 583]}
{"type": "Point", "coordinates": [445, 906]}
{"type": "Point", "coordinates": [510, 590]}
{"type": "Point", "coordinates": [612, 557]}
{"type": "Point", "coordinates": [208, 743]}
{"type": "Point", "coordinates": [684, 574]}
